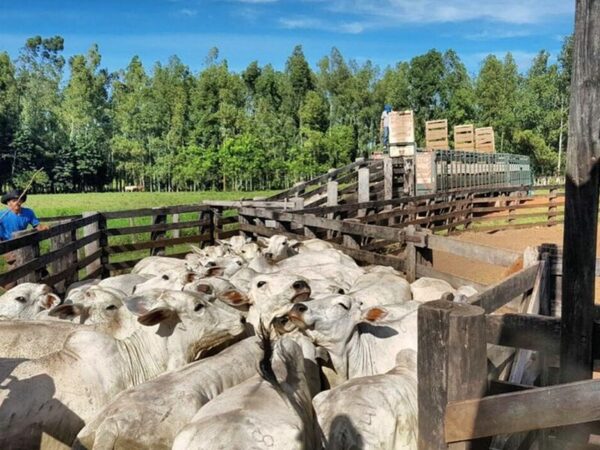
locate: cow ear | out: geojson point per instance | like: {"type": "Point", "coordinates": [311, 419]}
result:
{"type": "Point", "coordinates": [156, 316]}
{"type": "Point", "coordinates": [222, 242]}
{"type": "Point", "coordinates": [49, 301]}
{"type": "Point", "coordinates": [293, 243]}
{"type": "Point", "coordinates": [248, 240]}
{"type": "Point", "coordinates": [234, 297]}
{"type": "Point", "coordinates": [374, 314]}
{"type": "Point", "coordinates": [140, 305]}
{"type": "Point", "coordinates": [215, 271]}
{"type": "Point", "coordinates": [262, 242]}
{"type": "Point", "coordinates": [66, 312]}
{"type": "Point", "coordinates": [204, 288]}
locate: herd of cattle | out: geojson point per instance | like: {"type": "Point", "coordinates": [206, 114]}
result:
{"type": "Point", "coordinates": [274, 344]}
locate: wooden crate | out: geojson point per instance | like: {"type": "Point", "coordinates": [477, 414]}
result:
{"type": "Point", "coordinates": [402, 127]}
{"type": "Point", "coordinates": [484, 140]}
{"type": "Point", "coordinates": [436, 135]}
{"type": "Point", "coordinates": [398, 150]}
{"type": "Point", "coordinates": [464, 137]}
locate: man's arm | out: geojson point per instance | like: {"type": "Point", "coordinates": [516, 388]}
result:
{"type": "Point", "coordinates": [35, 222]}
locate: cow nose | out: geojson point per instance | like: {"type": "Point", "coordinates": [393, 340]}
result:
{"type": "Point", "coordinates": [243, 320]}
{"type": "Point", "coordinates": [269, 255]}
{"type": "Point", "coordinates": [299, 308]}
{"type": "Point", "coordinates": [298, 285]}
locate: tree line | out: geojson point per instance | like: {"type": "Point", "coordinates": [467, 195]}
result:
{"type": "Point", "coordinates": [167, 128]}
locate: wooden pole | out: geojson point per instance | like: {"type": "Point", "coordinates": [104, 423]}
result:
{"type": "Point", "coordinates": [581, 197]}
{"type": "Point", "coordinates": [92, 247]}
{"type": "Point", "coordinates": [452, 366]}
{"type": "Point", "coordinates": [581, 205]}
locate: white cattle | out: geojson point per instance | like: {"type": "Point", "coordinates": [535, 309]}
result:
{"type": "Point", "coordinates": [312, 245]}
{"type": "Point", "coordinates": [157, 265]}
{"type": "Point", "coordinates": [380, 288]}
{"type": "Point", "coordinates": [27, 300]}
{"type": "Point", "coordinates": [427, 289]}
{"type": "Point", "coordinates": [223, 289]}
{"type": "Point", "coordinates": [57, 394]}
{"type": "Point", "coordinates": [360, 342]}
{"type": "Point", "coordinates": [242, 279]}
{"type": "Point", "coordinates": [277, 247]}
{"type": "Point", "coordinates": [372, 413]}
{"type": "Point", "coordinates": [273, 294]}
{"type": "Point", "coordinates": [125, 283]}
{"type": "Point", "coordinates": [77, 290]}
{"type": "Point", "coordinates": [173, 279]}
{"type": "Point", "coordinates": [272, 410]}
{"type": "Point", "coordinates": [151, 414]}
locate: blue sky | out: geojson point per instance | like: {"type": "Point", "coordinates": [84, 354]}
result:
{"type": "Point", "coordinates": [383, 31]}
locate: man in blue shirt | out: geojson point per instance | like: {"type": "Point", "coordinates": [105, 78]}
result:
{"type": "Point", "coordinates": [16, 218]}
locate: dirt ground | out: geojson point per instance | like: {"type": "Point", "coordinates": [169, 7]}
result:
{"type": "Point", "coordinates": [516, 240]}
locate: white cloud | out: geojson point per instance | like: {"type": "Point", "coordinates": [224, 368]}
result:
{"type": "Point", "coordinates": [323, 25]}
{"type": "Point", "coordinates": [443, 11]}
{"type": "Point", "coordinates": [187, 12]}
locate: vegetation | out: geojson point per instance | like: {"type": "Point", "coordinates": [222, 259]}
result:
{"type": "Point", "coordinates": [169, 129]}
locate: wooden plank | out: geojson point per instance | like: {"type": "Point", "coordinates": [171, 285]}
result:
{"type": "Point", "coordinates": [158, 235]}
{"type": "Point", "coordinates": [402, 127]}
{"type": "Point", "coordinates": [23, 256]}
{"type": "Point", "coordinates": [501, 293]}
{"type": "Point", "coordinates": [121, 231]}
{"type": "Point", "coordinates": [174, 226]}
{"type": "Point", "coordinates": [452, 365]}
{"type": "Point", "coordinates": [478, 252]}
{"type": "Point", "coordinates": [359, 255]}
{"type": "Point", "coordinates": [547, 407]}
{"type": "Point", "coordinates": [581, 207]}
{"type": "Point", "coordinates": [63, 263]}
{"type": "Point", "coordinates": [249, 203]}
{"type": "Point", "coordinates": [160, 243]}
{"type": "Point", "coordinates": [72, 270]}
{"type": "Point", "coordinates": [179, 209]}
{"type": "Point", "coordinates": [363, 188]}
{"type": "Point", "coordinates": [527, 331]}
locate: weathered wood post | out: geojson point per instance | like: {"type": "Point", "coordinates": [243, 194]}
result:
{"type": "Point", "coordinates": [92, 247]}
{"type": "Point", "coordinates": [332, 200]}
{"type": "Point", "coordinates": [24, 255]}
{"type": "Point", "coordinates": [581, 201]}
{"type": "Point", "coordinates": [388, 180]}
{"type": "Point", "coordinates": [207, 226]}
{"type": "Point", "coordinates": [452, 366]}
{"type": "Point", "coordinates": [62, 264]}
{"type": "Point", "coordinates": [158, 219]}
{"type": "Point", "coordinates": [363, 189]}
{"type": "Point", "coordinates": [176, 233]}
{"type": "Point", "coordinates": [217, 215]}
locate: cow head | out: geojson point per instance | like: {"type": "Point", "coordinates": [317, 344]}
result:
{"type": "Point", "coordinates": [273, 294]}
{"type": "Point", "coordinates": [190, 323]}
{"type": "Point", "coordinates": [277, 247]}
{"type": "Point", "coordinates": [26, 300]}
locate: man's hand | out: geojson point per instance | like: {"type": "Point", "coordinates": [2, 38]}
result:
{"type": "Point", "coordinates": [41, 227]}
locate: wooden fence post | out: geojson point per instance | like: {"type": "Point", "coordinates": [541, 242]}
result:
{"type": "Point", "coordinates": [92, 247]}
{"type": "Point", "coordinates": [363, 189]}
{"type": "Point", "coordinates": [24, 255]}
{"type": "Point", "coordinates": [332, 200]}
{"type": "Point", "coordinates": [103, 242]}
{"type": "Point", "coordinates": [206, 215]}
{"type": "Point", "coordinates": [61, 264]}
{"type": "Point", "coordinates": [158, 219]}
{"type": "Point", "coordinates": [388, 180]}
{"type": "Point", "coordinates": [175, 219]}
{"type": "Point", "coordinates": [452, 366]}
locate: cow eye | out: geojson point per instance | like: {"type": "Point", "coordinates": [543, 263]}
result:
{"type": "Point", "coordinates": [243, 251]}
{"type": "Point", "coordinates": [344, 306]}
{"type": "Point", "coordinates": [165, 277]}
{"type": "Point", "coordinates": [198, 307]}
{"type": "Point", "coordinates": [111, 307]}
{"type": "Point", "coordinates": [21, 299]}
{"type": "Point", "coordinates": [261, 284]}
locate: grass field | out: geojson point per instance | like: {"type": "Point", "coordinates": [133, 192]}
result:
{"type": "Point", "coordinates": [51, 205]}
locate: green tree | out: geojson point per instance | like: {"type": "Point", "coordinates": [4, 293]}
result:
{"type": "Point", "coordinates": [9, 115]}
